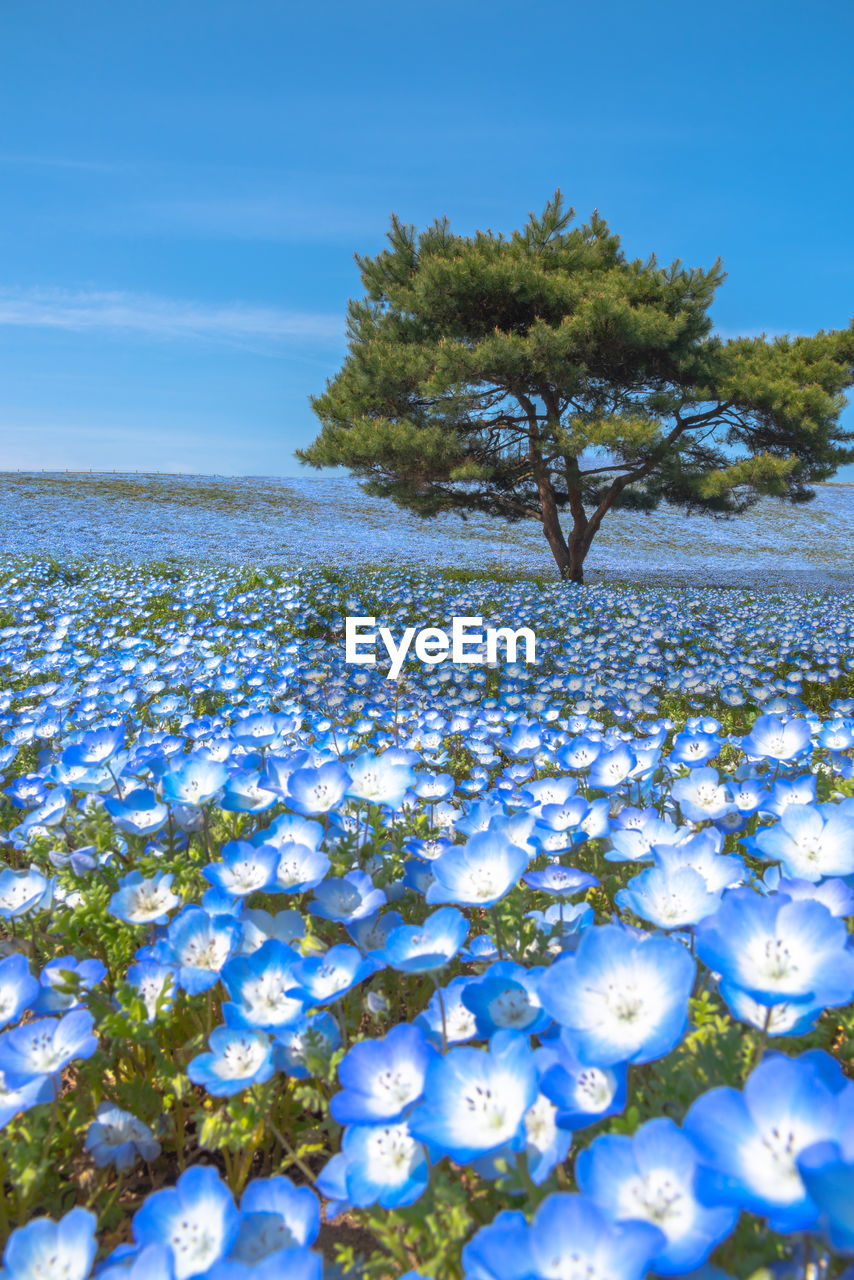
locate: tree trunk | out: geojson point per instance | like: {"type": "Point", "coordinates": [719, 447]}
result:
{"type": "Point", "coordinates": [552, 527]}
{"type": "Point", "coordinates": [579, 539]}
{"type": "Point", "coordinates": [569, 557]}
{"type": "Point", "coordinates": [576, 564]}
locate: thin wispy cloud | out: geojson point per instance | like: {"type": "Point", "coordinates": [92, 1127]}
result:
{"type": "Point", "coordinates": [164, 318]}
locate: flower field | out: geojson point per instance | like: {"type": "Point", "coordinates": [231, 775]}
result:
{"type": "Point", "coordinates": [499, 972]}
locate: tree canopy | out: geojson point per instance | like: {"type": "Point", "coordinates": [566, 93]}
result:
{"type": "Point", "coordinates": [544, 375]}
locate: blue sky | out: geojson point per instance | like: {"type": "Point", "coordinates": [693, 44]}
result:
{"type": "Point", "coordinates": [183, 184]}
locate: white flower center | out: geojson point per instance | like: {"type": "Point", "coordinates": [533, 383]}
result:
{"type": "Point", "coordinates": [394, 1150]}
{"type": "Point", "coordinates": [658, 1198]}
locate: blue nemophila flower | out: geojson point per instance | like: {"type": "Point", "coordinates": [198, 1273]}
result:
{"type": "Point", "coordinates": [155, 984]}
{"type": "Point", "coordinates": [433, 786]}
{"type": "Point", "coordinates": [523, 742]}
{"type": "Point", "coordinates": [48, 814]}
{"type": "Point", "coordinates": [695, 747]}
{"type": "Point", "coordinates": [81, 860]}
{"type": "Point", "coordinates": [245, 868]}
{"type": "Point", "coordinates": [570, 1236]}
{"type": "Point", "coordinates": [299, 868]}
{"type": "Point", "coordinates": [97, 746]}
{"type": "Point", "coordinates": [478, 873]}
{"type": "Point", "coordinates": [64, 980]}
{"type": "Point", "coordinates": [546, 1143]}
{"type": "Point", "coordinates": [429, 849]}
{"type": "Point", "coordinates": [748, 792]}
{"type": "Point", "coordinates": [835, 894]}
{"type": "Point", "coordinates": [788, 791]}
{"type": "Point", "coordinates": [749, 1142]}
{"type": "Point", "coordinates": [480, 950]}
{"type": "Point", "coordinates": [506, 997]}
{"type": "Point", "coordinates": [196, 1219]}
{"type": "Point", "coordinates": [557, 793]}
{"type": "Point", "coordinates": [429, 946]}
{"type": "Point", "coordinates": [379, 779]}
{"type": "Point", "coordinates": [278, 769]}
{"type": "Point", "coordinates": [776, 950]}
{"type": "Point", "coordinates": [385, 1164]}
{"type": "Point", "coordinates": [669, 899]}
{"type": "Point", "coordinates": [117, 1137]}
{"type": "Point", "coordinates": [371, 934]}
{"type": "Point", "coordinates": [477, 817]}
{"type": "Point", "coordinates": [78, 778]}
{"type": "Point", "coordinates": [837, 735]}
{"type": "Point", "coordinates": [827, 1171]}
{"type": "Point", "coordinates": [198, 945]}
{"type": "Point", "coordinates": [245, 793]}
{"type": "Point", "coordinates": [772, 738]}
{"type": "Point", "coordinates": [47, 1248]}
{"type": "Point", "coordinates": [702, 796]}
{"type": "Point", "coordinates": [18, 987]}
{"type": "Point", "coordinates": [559, 880]}
{"type": "Point", "coordinates": [23, 891]}
{"type": "Point", "coordinates": [611, 767]}
{"type": "Point", "coordinates": [144, 901]}
{"type": "Point", "coordinates": [809, 841]}
{"type": "Point", "coordinates": [331, 1182]}
{"type": "Point", "coordinates": [785, 1018]}
{"type": "Point", "coordinates": [27, 792]}
{"type": "Point", "coordinates": [296, 1264]}
{"type": "Point", "coordinates": [137, 813]}
{"type": "Point", "coordinates": [351, 897]}
{"type": "Point", "coordinates": [304, 1049]}
{"type": "Point", "coordinates": [650, 1178]}
{"type": "Point", "coordinates": [555, 840]}
{"type": "Point", "coordinates": [562, 924]}
{"type": "Point", "coordinates": [382, 1079]}
{"type": "Point", "coordinates": [323, 979]}
{"type": "Point", "coordinates": [194, 781]}
{"type": "Point", "coordinates": [261, 926]}
{"type": "Point", "coordinates": [418, 875]}
{"type": "Point", "coordinates": [702, 851]}
{"type": "Point", "coordinates": [259, 730]}
{"type": "Point", "coordinates": [275, 1215]}
{"type": "Point", "coordinates": [43, 1047]}
{"type": "Point", "coordinates": [447, 1013]}
{"type": "Point", "coordinates": [317, 790]}
{"type": "Point", "coordinates": [624, 998]}
{"type": "Point", "coordinates": [290, 829]}
{"type": "Point", "coordinates": [581, 1093]}
{"type": "Point", "coordinates": [580, 753]}
{"type": "Point", "coordinates": [238, 1058]}
{"type": "Point", "coordinates": [475, 1099]}
{"type": "Point", "coordinates": [261, 987]}
{"type": "Point", "coordinates": [500, 1250]}
{"type": "Point", "coordinates": [636, 833]}
{"type": "Point", "coordinates": [16, 1096]}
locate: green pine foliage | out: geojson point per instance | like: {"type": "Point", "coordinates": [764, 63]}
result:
{"type": "Point", "coordinates": [546, 376]}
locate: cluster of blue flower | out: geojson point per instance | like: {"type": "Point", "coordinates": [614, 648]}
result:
{"type": "Point", "coordinates": [516, 893]}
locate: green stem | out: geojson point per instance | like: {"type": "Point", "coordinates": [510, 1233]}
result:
{"type": "Point", "coordinates": [441, 1001]}
{"type": "Point", "coordinates": [499, 941]}
{"type": "Point", "coordinates": [763, 1040]}
{"type": "Point", "coordinates": [4, 1213]}
{"type": "Point", "coordinates": [338, 1009]}
{"type": "Point", "coordinates": [300, 1164]}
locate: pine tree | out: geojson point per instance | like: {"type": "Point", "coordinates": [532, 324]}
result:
{"type": "Point", "coordinates": [546, 376]}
